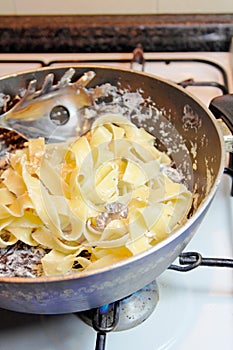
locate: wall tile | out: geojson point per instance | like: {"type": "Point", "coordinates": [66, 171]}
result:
{"type": "Point", "coordinates": [195, 6]}
{"type": "Point", "coordinates": [80, 7]}
{"type": "Point", "coordinates": [51, 7]}
{"type": "Point", "coordinates": [7, 7]}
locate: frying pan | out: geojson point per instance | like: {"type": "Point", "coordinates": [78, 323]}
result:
{"type": "Point", "coordinates": [183, 121]}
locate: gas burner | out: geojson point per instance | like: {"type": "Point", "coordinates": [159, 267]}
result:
{"type": "Point", "coordinates": [133, 310]}
{"type": "Point", "coordinates": [122, 315]}
{"type": "Point", "coordinates": [126, 313]}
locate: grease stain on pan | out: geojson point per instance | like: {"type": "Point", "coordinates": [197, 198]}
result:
{"type": "Point", "coordinates": [190, 119]}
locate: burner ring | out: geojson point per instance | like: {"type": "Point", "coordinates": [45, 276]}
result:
{"type": "Point", "coordinates": [133, 310]}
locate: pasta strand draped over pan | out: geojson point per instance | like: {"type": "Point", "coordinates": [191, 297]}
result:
{"type": "Point", "coordinates": [92, 201]}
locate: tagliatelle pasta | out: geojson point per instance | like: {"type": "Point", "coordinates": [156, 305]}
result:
{"type": "Point", "coordinates": [92, 201]}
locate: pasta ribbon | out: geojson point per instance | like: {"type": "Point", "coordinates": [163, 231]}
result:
{"type": "Point", "coordinates": [92, 201]}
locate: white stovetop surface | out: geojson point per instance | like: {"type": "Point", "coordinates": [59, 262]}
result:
{"type": "Point", "coordinates": [195, 310]}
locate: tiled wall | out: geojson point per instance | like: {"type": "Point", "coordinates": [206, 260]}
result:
{"type": "Point", "coordinates": [80, 7]}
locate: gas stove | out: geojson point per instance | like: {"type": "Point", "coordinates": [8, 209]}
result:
{"type": "Point", "coordinates": [194, 309]}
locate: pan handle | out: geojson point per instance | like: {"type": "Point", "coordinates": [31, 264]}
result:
{"type": "Point", "coordinates": [222, 107]}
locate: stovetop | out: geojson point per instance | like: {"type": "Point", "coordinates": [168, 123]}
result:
{"type": "Point", "coordinates": [195, 309]}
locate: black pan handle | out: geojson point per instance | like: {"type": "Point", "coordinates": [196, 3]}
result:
{"type": "Point", "coordinates": [222, 107]}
